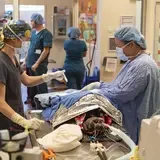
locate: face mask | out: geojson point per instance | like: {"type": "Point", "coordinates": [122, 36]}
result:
{"type": "Point", "coordinates": [10, 46]}
{"type": "Point", "coordinates": [16, 50]}
{"type": "Point", "coordinates": [120, 53]}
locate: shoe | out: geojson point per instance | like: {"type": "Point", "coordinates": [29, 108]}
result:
{"type": "Point", "coordinates": [33, 105]}
{"type": "Point", "coordinates": [28, 101]}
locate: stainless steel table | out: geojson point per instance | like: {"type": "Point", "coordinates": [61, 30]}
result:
{"type": "Point", "coordinates": [113, 150]}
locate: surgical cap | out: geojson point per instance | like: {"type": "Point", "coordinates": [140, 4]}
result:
{"type": "Point", "coordinates": [13, 30]}
{"type": "Point", "coordinates": [37, 18]}
{"type": "Point", "coordinates": [128, 34]}
{"type": "Point", "coordinates": [73, 32]}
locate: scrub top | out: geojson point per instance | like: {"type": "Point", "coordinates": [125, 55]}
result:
{"type": "Point", "coordinates": [39, 41]}
{"type": "Point", "coordinates": [75, 50]}
{"type": "Point", "coordinates": [10, 77]}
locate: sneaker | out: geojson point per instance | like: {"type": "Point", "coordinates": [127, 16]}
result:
{"type": "Point", "coordinates": [28, 101]}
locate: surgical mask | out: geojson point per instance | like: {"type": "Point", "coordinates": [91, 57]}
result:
{"type": "Point", "coordinates": [16, 50]}
{"type": "Point", "coordinates": [120, 53]}
{"type": "Point", "coordinates": [9, 46]}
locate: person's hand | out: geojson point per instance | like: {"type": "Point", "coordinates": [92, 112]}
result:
{"type": "Point", "coordinates": [62, 78]}
{"type": "Point", "coordinates": [28, 124]}
{"type": "Point", "coordinates": [34, 123]}
{"type": "Point", "coordinates": [34, 67]}
{"type": "Point", "coordinates": [58, 75]}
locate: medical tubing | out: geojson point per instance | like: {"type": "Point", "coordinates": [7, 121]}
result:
{"type": "Point", "coordinates": [104, 155]}
{"type": "Point", "coordinates": [100, 155]}
{"type": "Point", "coordinates": [126, 139]}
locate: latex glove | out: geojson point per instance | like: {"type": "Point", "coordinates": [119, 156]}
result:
{"type": "Point", "coordinates": [58, 75]}
{"type": "Point", "coordinates": [29, 124]}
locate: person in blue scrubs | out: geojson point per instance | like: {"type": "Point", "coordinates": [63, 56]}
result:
{"type": "Point", "coordinates": [38, 53]}
{"type": "Point", "coordinates": [74, 66]}
{"type": "Point", "coordinates": [136, 89]}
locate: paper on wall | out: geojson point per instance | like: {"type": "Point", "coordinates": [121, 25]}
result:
{"type": "Point", "coordinates": [111, 65]}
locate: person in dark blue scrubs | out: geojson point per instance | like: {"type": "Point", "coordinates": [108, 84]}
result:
{"type": "Point", "coordinates": [74, 66]}
{"type": "Point", "coordinates": [38, 53]}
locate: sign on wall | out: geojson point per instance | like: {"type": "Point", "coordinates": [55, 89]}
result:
{"type": "Point", "coordinates": [111, 65]}
{"type": "Point", "coordinates": [127, 21]}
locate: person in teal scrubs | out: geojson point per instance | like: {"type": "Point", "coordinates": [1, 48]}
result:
{"type": "Point", "coordinates": [38, 53]}
{"type": "Point", "coordinates": [74, 66]}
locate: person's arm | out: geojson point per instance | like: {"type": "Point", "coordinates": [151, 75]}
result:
{"type": "Point", "coordinates": [134, 82]}
{"type": "Point", "coordinates": [47, 44]}
{"type": "Point", "coordinates": [84, 54]}
{"type": "Point", "coordinates": [7, 111]}
{"type": "Point", "coordinates": [85, 49]}
{"type": "Point", "coordinates": [31, 81]}
{"type": "Point", "coordinates": [43, 55]}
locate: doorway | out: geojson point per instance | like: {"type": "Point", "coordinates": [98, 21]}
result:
{"type": "Point", "coordinates": [157, 34]}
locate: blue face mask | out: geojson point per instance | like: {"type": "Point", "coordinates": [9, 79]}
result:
{"type": "Point", "coordinates": [120, 54]}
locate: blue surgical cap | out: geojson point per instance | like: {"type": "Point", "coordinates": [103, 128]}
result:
{"type": "Point", "coordinates": [128, 34]}
{"type": "Point", "coordinates": [73, 32]}
{"type": "Point", "coordinates": [37, 18]}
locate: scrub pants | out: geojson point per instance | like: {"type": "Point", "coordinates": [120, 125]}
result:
{"type": "Point", "coordinates": [75, 79]}
{"type": "Point", "coordinates": [42, 88]}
